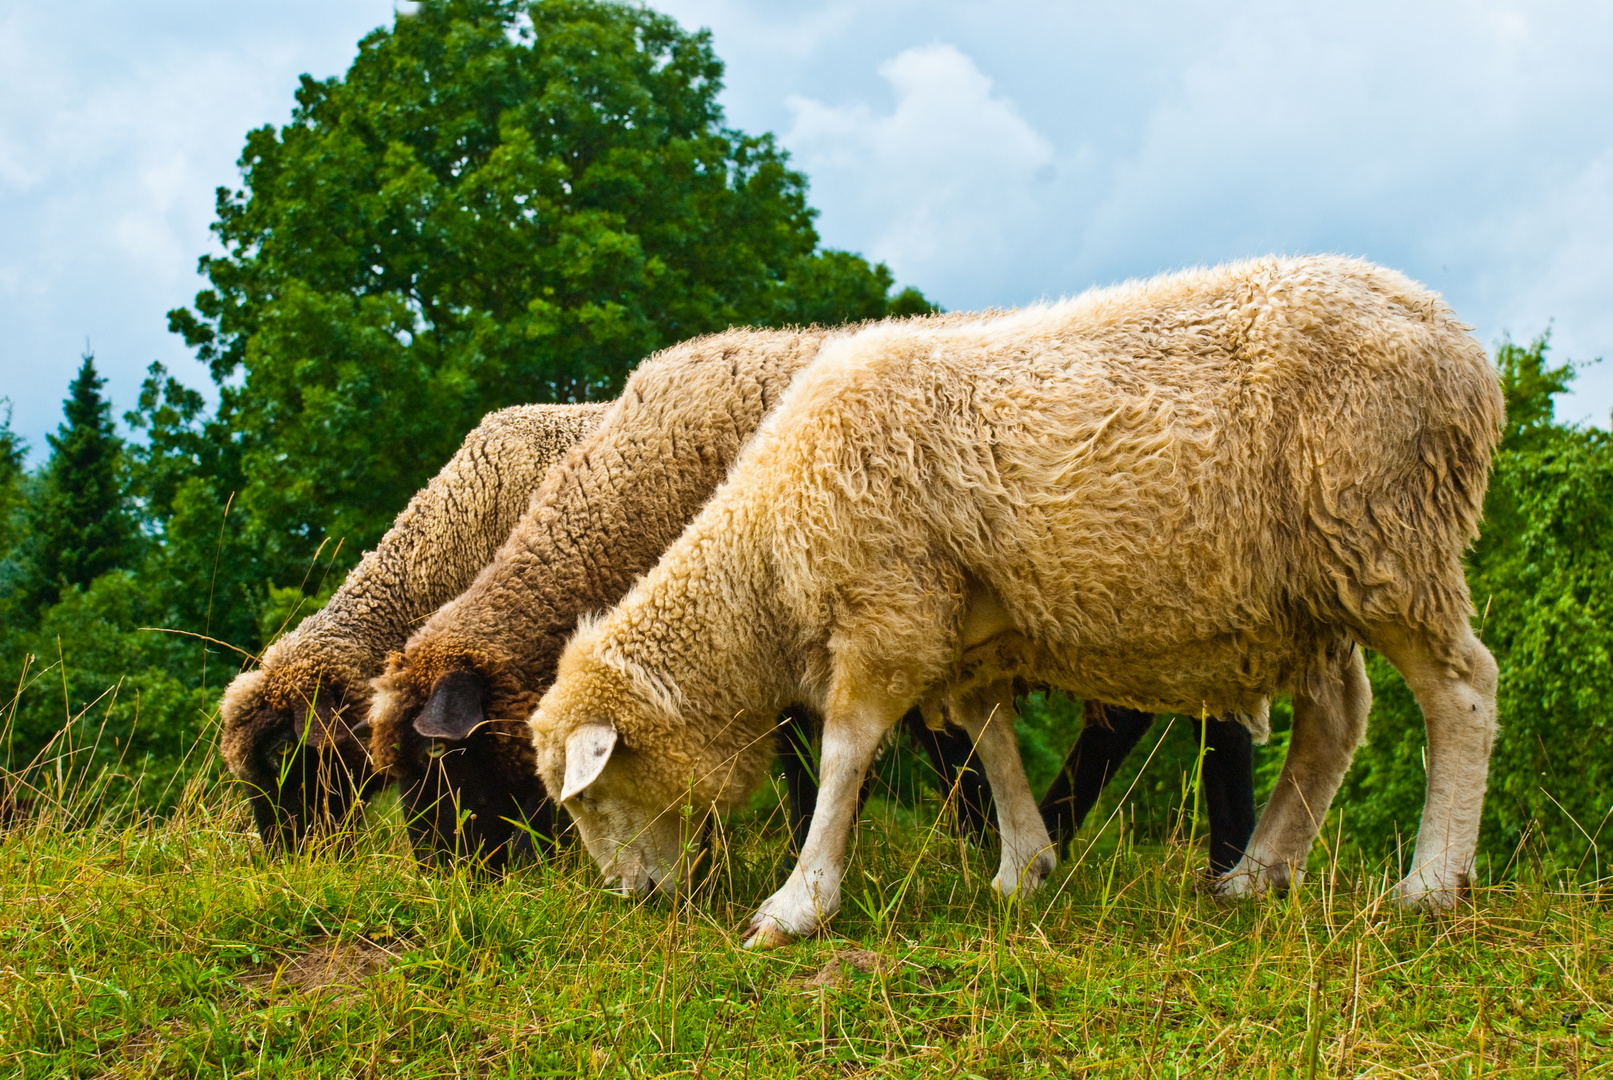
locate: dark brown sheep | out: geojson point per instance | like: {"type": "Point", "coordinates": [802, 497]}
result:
{"type": "Point", "coordinates": [294, 727]}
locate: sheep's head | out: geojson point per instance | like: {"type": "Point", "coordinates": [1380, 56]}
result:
{"type": "Point", "coordinates": [640, 800]}
{"type": "Point", "coordinates": [289, 734]}
{"type": "Point", "coordinates": [465, 777]}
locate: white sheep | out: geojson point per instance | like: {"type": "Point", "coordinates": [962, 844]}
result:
{"type": "Point", "coordinates": [1182, 494]}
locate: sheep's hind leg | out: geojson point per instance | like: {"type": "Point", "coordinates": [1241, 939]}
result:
{"type": "Point", "coordinates": [1330, 716]}
{"type": "Point", "coordinates": [958, 773]}
{"type": "Point", "coordinates": [1229, 791]}
{"type": "Point", "coordinates": [1457, 695]}
{"type": "Point", "coordinates": [1108, 735]}
{"type": "Point", "coordinates": [811, 894]}
{"type": "Point", "coordinates": [1027, 850]}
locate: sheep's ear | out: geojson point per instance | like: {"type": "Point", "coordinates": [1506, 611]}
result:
{"type": "Point", "coordinates": [454, 708]}
{"type": "Point", "coordinates": [587, 751]}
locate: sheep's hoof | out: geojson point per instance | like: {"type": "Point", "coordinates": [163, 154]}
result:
{"type": "Point", "coordinates": [1248, 879]}
{"type": "Point", "coordinates": [1011, 883]}
{"type": "Point", "coordinates": [1235, 885]}
{"type": "Point", "coordinates": [1423, 891]}
{"type": "Point", "coordinates": [768, 934]}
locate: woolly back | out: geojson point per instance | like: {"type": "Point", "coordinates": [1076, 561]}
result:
{"type": "Point", "coordinates": [1270, 450]}
{"type": "Point", "coordinates": [439, 541]}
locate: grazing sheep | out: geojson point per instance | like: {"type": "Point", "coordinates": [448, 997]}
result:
{"type": "Point", "coordinates": [1182, 494]}
{"type": "Point", "coordinates": [293, 727]}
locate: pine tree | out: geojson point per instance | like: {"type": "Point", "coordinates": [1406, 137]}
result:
{"type": "Point", "coordinates": [78, 521]}
{"type": "Point", "coordinates": [13, 452]}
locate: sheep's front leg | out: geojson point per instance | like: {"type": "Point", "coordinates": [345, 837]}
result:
{"type": "Point", "coordinates": [1027, 850]}
{"type": "Point", "coordinates": [812, 892]}
{"type": "Point", "coordinates": [1330, 716]}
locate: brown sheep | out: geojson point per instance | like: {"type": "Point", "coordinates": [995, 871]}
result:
{"type": "Point", "coordinates": [293, 727]}
{"type": "Point", "coordinates": [1183, 494]}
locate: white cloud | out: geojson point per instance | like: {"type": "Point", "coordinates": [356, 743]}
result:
{"type": "Point", "coordinates": [1555, 264]}
{"type": "Point", "coordinates": [1465, 143]}
{"type": "Point", "coordinates": [1048, 147]}
{"type": "Point", "coordinates": [116, 126]}
{"type": "Point", "coordinates": [944, 184]}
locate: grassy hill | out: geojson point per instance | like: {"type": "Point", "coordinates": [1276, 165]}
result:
{"type": "Point", "coordinates": [175, 948]}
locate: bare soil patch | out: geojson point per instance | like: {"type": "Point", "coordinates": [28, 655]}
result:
{"type": "Point", "coordinates": [329, 966]}
{"type": "Point", "coordinates": [840, 965]}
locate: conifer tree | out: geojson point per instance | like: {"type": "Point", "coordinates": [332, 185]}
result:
{"type": "Point", "coordinates": [78, 524]}
{"type": "Point", "coordinates": [13, 451]}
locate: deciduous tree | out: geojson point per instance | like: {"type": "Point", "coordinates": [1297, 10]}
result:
{"type": "Point", "coordinates": [498, 203]}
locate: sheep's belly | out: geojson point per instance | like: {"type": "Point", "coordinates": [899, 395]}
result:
{"type": "Point", "coordinates": [1223, 677]}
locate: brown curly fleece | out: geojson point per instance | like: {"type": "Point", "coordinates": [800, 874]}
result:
{"type": "Point", "coordinates": [443, 537]}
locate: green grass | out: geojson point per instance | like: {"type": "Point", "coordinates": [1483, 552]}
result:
{"type": "Point", "coordinates": [175, 948]}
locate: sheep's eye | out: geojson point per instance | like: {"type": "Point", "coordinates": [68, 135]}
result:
{"type": "Point", "coordinates": [287, 748]}
{"type": "Point", "coordinates": [436, 750]}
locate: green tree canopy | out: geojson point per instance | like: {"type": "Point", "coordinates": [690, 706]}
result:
{"type": "Point", "coordinates": [499, 202]}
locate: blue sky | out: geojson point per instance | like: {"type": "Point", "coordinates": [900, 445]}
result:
{"type": "Point", "coordinates": [991, 153]}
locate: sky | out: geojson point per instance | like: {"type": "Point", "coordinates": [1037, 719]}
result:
{"type": "Point", "coordinates": [991, 154]}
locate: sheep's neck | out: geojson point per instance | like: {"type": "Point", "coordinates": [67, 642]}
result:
{"type": "Point", "coordinates": [727, 652]}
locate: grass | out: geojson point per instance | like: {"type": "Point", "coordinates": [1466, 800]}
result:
{"type": "Point", "coordinates": [174, 948]}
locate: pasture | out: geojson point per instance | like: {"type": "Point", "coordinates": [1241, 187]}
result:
{"type": "Point", "coordinates": [174, 947]}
